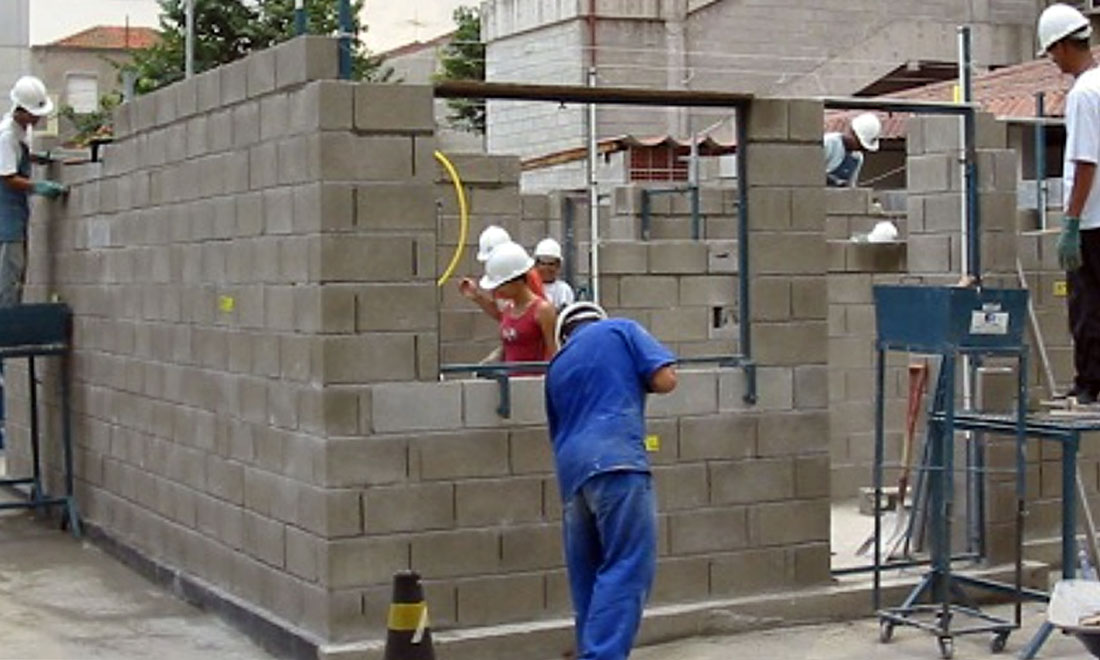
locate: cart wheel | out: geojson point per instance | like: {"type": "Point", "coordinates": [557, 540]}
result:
{"type": "Point", "coordinates": [997, 644]}
{"type": "Point", "coordinates": [885, 631]}
{"type": "Point", "coordinates": [947, 648]}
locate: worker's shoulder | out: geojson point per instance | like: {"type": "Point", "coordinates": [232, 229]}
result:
{"type": "Point", "coordinates": [1087, 84]}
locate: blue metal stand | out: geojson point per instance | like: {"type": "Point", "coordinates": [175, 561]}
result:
{"type": "Point", "coordinates": [948, 321]}
{"type": "Point", "coordinates": [32, 331]}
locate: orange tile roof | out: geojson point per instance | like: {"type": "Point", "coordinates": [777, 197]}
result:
{"type": "Point", "coordinates": [1005, 92]}
{"type": "Point", "coordinates": [110, 37]}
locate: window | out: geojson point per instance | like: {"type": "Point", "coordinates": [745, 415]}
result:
{"type": "Point", "coordinates": [661, 163]}
{"type": "Point", "coordinates": [82, 92]}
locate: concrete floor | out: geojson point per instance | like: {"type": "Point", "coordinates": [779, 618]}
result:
{"type": "Point", "coordinates": [60, 598]}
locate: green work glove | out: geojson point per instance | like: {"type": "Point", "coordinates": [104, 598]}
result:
{"type": "Point", "coordinates": [48, 189]}
{"type": "Point", "coordinates": [1069, 244]}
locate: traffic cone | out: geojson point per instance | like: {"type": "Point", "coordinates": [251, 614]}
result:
{"type": "Point", "coordinates": [408, 636]}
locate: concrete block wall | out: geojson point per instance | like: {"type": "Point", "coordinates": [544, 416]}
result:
{"type": "Point", "coordinates": [255, 390]}
{"type": "Point", "coordinates": [854, 269]}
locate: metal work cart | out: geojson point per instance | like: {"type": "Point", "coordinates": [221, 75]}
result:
{"type": "Point", "coordinates": [948, 322]}
{"type": "Point", "coordinates": [42, 330]}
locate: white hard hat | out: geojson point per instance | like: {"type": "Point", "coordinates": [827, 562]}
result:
{"type": "Point", "coordinates": [1058, 22]}
{"type": "Point", "coordinates": [548, 247]}
{"type": "Point", "coordinates": [507, 262]}
{"type": "Point", "coordinates": [867, 128]}
{"type": "Point", "coordinates": [883, 232]}
{"type": "Point", "coordinates": [578, 311]}
{"type": "Point", "coordinates": [491, 236]}
{"type": "Point", "coordinates": [30, 94]}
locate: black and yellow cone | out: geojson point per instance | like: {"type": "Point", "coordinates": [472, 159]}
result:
{"type": "Point", "coordinates": [408, 636]}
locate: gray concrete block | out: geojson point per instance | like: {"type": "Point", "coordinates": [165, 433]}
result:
{"type": "Point", "coordinates": [263, 166]}
{"type": "Point", "coordinates": [246, 124]}
{"type": "Point", "coordinates": [234, 81]}
{"type": "Point", "coordinates": [809, 298]}
{"type": "Point", "coordinates": [261, 72]}
{"type": "Point", "coordinates": [989, 132]}
{"type": "Point", "coordinates": [782, 164]}
{"type": "Point", "coordinates": [365, 461]}
{"type": "Point", "coordinates": [790, 344]}
{"type": "Point", "coordinates": [123, 119]}
{"type": "Point", "coordinates": [219, 131]}
{"type": "Point", "coordinates": [498, 502]}
{"type": "Point", "coordinates": [481, 399]}
{"type": "Point", "coordinates": [322, 105]}
{"type": "Point", "coordinates": [405, 109]}
{"type": "Point", "coordinates": [785, 523]}
{"type": "Point", "coordinates": [366, 158]}
{"type": "Point", "coordinates": [397, 307]}
{"type": "Point", "coordinates": [473, 453]}
{"type": "Point", "coordinates": [264, 539]}
{"type": "Point", "coordinates": [708, 290]}
{"type": "Point", "coordinates": [364, 561]}
{"type": "Point", "coordinates": [144, 113]}
{"type": "Point", "coordinates": [367, 358]}
{"type": "Point", "coordinates": [321, 206]}
{"type": "Point", "coordinates": [722, 257]}
{"type": "Point", "coordinates": [396, 206]}
{"type": "Point", "coordinates": [187, 97]}
{"type": "Point", "coordinates": [768, 119]}
{"type": "Point", "coordinates": [209, 90]}
{"type": "Point", "coordinates": [943, 212]}
{"type": "Point", "coordinates": [648, 291]}
{"type": "Point", "coordinates": [530, 547]}
{"type": "Point", "coordinates": [409, 508]}
{"type": "Point", "coordinates": [274, 115]}
{"type": "Point", "coordinates": [279, 210]}
{"type": "Point", "coordinates": [808, 209]}
{"type": "Point", "coordinates": [773, 253]}
{"type": "Point", "coordinates": [805, 120]}
{"type": "Point", "coordinates": [932, 173]}
{"type": "Point", "coordinates": [847, 201]}
{"type": "Point", "coordinates": [717, 437]}
{"type": "Point", "coordinates": [676, 257]}
{"type": "Point", "coordinates": [457, 553]}
{"type": "Point", "coordinates": [769, 207]}
{"type": "Point", "coordinates": [438, 407]}
{"type": "Point", "coordinates": [356, 258]}
{"type": "Point", "coordinates": [751, 481]}
{"type": "Point", "coordinates": [305, 58]}
{"type": "Point", "coordinates": [166, 106]}
{"type": "Point", "coordinates": [708, 530]}
{"type": "Point", "coordinates": [793, 434]}
{"type": "Point", "coordinates": [929, 254]}
{"type": "Point", "coordinates": [695, 394]}
{"type": "Point", "coordinates": [506, 598]}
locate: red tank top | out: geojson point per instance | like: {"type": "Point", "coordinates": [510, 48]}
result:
{"type": "Point", "coordinates": [522, 336]}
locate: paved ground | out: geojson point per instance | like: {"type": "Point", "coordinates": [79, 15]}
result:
{"type": "Point", "coordinates": [859, 640]}
{"type": "Point", "coordinates": [63, 599]}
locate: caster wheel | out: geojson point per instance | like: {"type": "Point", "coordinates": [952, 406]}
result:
{"type": "Point", "coordinates": [885, 631]}
{"type": "Point", "coordinates": [997, 644]}
{"type": "Point", "coordinates": [947, 648]}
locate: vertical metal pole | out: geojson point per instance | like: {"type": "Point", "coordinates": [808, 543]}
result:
{"type": "Point", "coordinates": [693, 180]}
{"type": "Point", "coordinates": [570, 235]}
{"type": "Point", "coordinates": [880, 382]}
{"type": "Point", "coordinates": [38, 488]}
{"type": "Point", "coordinates": [300, 24]}
{"type": "Point", "coordinates": [593, 198]}
{"type": "Point", "coordinates": [189, 38]}
{"type": "Point", "coordinates": [744, 317]}
{"type": "Point", "coordinates": [345, 39]}
{"type": "Point", "coordinates": [1041, 159]}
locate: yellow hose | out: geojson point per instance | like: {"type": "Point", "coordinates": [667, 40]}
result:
{"type": "Point", "coordinates": [463, 216]}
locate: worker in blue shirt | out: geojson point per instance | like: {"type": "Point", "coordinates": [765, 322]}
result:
{"type": "Point", "coordinates": [596, 388]}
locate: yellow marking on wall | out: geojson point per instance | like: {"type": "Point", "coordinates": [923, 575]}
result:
{"type": "Point", "coordinates": [226, 304]}
{"type": "Point", "coordinates": [653, 443]}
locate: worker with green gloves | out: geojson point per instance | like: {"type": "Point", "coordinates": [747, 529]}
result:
{"type": "Point", "coordinates": [30, 104]}
{"type": "Point", "coordinates": [1063, 34]}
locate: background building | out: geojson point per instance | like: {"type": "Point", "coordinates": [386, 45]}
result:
{"type": "Point", "coordinates": [15, 54]}
{"type": "Point", "coordinates": [783, 47]}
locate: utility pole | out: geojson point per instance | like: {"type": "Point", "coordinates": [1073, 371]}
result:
{"type": "Point", "coordinates": [300, 25]}
{"type": "Point", "coordinates": [345, 39]}
{"type": "Point", "coordinates": [189, 46]}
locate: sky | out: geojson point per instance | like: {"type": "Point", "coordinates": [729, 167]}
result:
{"type": "Point", "coordinates": [392, 23]}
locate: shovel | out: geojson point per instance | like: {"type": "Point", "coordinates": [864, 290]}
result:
{"type": "Point", "coordinates": [918, 381]}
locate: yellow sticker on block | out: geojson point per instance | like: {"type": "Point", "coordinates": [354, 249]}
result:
{"type": "Point", "coordinates": [956, 94]}
{"type": "Point", "coordinates": [226, 304]}
{"type": "Point", "coordinates": [1060, 288]}
{"type": "Point", "coordinates": [653, 443]}
{"type": "Point", "coordinates": [407, 616]}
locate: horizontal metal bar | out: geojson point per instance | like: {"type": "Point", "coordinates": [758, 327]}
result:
{"type": "Point", "coordinates": [897, 105]}
{"type": "Point", "coordinates": [15, 481]}
{"type": "Point", "coordinates": [1002, 587]}
{"type": "Point", "coordinates": [465, 89]}
{"type": "Point", "coordinates": [907, 563]}
{"type": "Point", "coordinates": [508, 367]}
{"type": "Point", "coordinates": [33, 504]}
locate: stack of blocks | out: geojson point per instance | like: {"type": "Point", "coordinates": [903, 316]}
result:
{"type": "Point", "coordinates": [255, 372]}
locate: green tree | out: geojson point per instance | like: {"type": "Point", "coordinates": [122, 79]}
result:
{"type": "Point", "coordinates": [464, 59]}
{"type": "Point", "coordinates": [226, 30]}
{"type": "Point", "coordinates": [91, 125]}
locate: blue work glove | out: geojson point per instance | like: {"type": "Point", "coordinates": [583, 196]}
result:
{"type": "Point", "coordinates": [48, 189]}
{"type": "Point", "coordinates": [1069, 244]}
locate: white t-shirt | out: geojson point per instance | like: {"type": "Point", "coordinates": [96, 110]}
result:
{"type": "Point", "coordinates": [12, 136]}
{"type": "Point", "coordinates": [834, 150]}
{"type": "Point", "coordinates": [559, 293]}
{"type": "Point", "coordinates": [1083, 142]}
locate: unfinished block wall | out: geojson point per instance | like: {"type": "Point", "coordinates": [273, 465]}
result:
{"type": "Point", "coordinates": [257, 403]}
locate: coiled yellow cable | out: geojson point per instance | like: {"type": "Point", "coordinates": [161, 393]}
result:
{"type": "Point", "coordinates": [463, 216]}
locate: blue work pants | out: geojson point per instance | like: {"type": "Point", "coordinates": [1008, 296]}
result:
{"type": "Point", "coordinates": [610, 537]}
